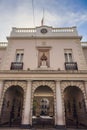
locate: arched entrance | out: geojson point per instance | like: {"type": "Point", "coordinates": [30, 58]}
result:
{"type": "Point", "coordinates": [75, 111]}
{"type": "Point", "coordinates": [43, 107]}
{"type": "Point", "coordinates": [11, 113]}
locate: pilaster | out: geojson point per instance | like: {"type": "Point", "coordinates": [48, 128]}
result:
{"type": "Point", "coordinates": [59, 108]}
{"type": "Point", "coordinates": [1, 88]}
{"type": "Point", "coordinates": [86, 93]}
{"type": "Point", "coordinates": [26, 118]}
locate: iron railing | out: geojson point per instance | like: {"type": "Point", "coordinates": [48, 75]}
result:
{"type": "Point", "coordinates": [71, 66]}
{"type": "Point", "coordinates": [16, 66]}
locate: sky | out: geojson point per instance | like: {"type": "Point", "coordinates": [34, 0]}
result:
{"type": "Point", "coordinates": [57, 13]}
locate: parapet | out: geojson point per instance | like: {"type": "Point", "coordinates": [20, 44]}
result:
{"type": "Point", "coordinates": [44, 32]}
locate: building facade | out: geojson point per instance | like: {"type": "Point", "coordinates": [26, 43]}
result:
{"type": "Point", "coordinates": [43, 78]}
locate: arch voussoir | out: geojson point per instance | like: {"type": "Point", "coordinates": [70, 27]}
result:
{"type": "Point", "coordinates": [8, 84]}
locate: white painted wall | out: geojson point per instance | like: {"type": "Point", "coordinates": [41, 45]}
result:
{"type": "Point", "coordinates": [57, 45]}
{"type": "Point", "coordinates": [2, 54]}
{"type": "Point", "coordinates": [85, 53]}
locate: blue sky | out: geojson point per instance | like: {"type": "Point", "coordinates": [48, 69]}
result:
{"type": "Point", "coordinates": [57, 13]}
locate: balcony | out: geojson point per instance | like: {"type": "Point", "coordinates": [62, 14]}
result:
{"type": "Point", "coordinates": [71, 66]}
{"type": "Point", "coordinates": [16, 66]}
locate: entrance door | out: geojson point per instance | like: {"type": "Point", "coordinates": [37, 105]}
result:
{"type": "Point", "coordinates": [43, 107]}
{"type": "Point", "coordinates": [12, 107]}
{"type": "Point", "coordinates": [75, 112]}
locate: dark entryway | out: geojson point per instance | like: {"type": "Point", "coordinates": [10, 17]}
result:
{"type": "Point", "coordinates": [43, 108]}
{"type": "Point", "coordinates": [75, 110]}
{"type": "Point", "coordinates": [11, 114]}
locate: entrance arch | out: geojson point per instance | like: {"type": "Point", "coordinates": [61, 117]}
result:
{"type": "Point", "coordinates": [43, 102]}
{"type": "Point", "coordinates": [43, 105]}
{"type": "Point", "coordinates": [75, 110]}
{"type": "Point", "coordinates": [11, 112]}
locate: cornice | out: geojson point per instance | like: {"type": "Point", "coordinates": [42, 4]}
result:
{"type": "Point", "coordinates": [44, 75]}
{"type": "Point", "coordinates": [43, 37]}
{"type": "Point", "coordinates": [3, 48]}
{"type": "Point", "coordinates": [43, 71]}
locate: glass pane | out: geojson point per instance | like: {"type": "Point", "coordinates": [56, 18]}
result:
{"type": "Point", "coordinates": [66, 57]}
{"type": "Point", "coordinates": [21, 57]}
{"type": "Point", "coordinates": [17, 57]}
{"type": "Point", "coordinates": [70, 57]}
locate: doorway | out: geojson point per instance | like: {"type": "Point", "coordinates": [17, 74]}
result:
{"type": "Point", "coordinates": [11, 113]}
{"type": "Point", "coordinates": [75, 110]}
{"type": "Point", "coordinates": [43, 107]}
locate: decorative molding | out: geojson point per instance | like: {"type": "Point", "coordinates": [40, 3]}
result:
{"type": "Point", "coordinates": [50, 84]}
{"type": "Point", "coordinates": [79, 84]}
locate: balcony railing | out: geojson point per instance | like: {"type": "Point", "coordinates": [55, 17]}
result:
{"type": "Point", "coordinates": [71, 66]}
{"type": "Point", "coordinates": [16, 66]}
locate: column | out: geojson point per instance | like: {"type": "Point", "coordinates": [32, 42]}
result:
{"type": "Point", "coordinates": [86, 94]}
{"type": "Point", "coordinates": [86, 87]}
{"type": "Point", "coordinates": [59, 108]}
{"type": "Point", "coordinates": [1, 87]}
{"type": "Point", "coordinates": [27, 108]}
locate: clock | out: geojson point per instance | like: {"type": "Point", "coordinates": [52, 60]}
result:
{"type": "Point", "coordinates": [43, 30]}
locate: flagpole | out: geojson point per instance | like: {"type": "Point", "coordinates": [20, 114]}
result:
{"type": "Point", "coordinates": [43, 16]}
{"type": "Point", "coordinates": [42, 21]}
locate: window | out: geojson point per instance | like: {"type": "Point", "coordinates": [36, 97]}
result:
{"type": "Point", "coordinates": [19, 55]}
{"type": "Point", "coordinates": [68, 55]}
{"type": "Point", "coordinates": [69, 62]}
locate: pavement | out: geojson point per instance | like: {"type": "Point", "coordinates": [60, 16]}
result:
{"type": "Point", "coordinates": [39, 129]}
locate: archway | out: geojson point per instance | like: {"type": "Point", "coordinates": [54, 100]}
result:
{"type": "Point", "coordinates": [11, 113]}
{"type": "Point", "coordinates": [43, 107]}
{"type": "Point", "coordinates": [75, 111]}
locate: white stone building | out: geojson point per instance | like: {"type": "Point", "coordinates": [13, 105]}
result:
{"type": "Point", "coordinates": [43, 78]}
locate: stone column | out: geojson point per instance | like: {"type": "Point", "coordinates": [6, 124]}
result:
{"type": "Point", "coordinates": [86, 94]}
{"type": "Point", "coordinates": [26, 119]}
{"type": "Point", "coordinates": [86, 87]}
{"type": "Point", "coordinates": [1, 87]}
{"type": "Point", "coordinates": [59, 108]}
